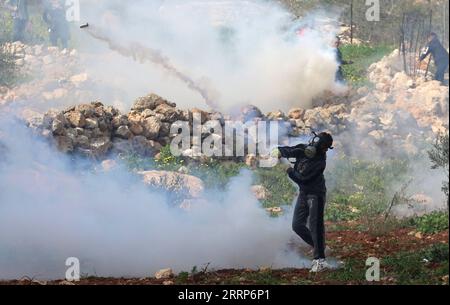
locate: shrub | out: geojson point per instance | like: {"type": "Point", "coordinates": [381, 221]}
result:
{"type": "Point", "coordinates": [431, 223]}
{"type": "Point", "coordinates": [439, 158]}
{"type": "Point", "coordinates": [167, 161]}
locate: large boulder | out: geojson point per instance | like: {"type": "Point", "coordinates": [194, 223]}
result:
{"type": "Point", "coordinates": [151, 101]}
{"type": "Point", "coordinates": [189, 186]}
{"type": "Point", "coordinates": [164, 274]}
{"type": "Point", "coordinates": [249, 113]}
{"type": "Point", "coordinates": [99, 147]}
{"type": "Point", "coordinates": [151, 126]}
{"type": "Point", "coordinates": [76, 119]}
{"type": "Point", "coordinates": [296, 114]}
{"type": "Point", "coordinates": [169, 113]}
{"type": "Point", "coordinates": [260, 192]}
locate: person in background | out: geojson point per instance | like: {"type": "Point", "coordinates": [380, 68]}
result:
{"type": "Point", "coordinates": [20, 15]}
{"type": "Point", "coordinates": [340, 60]}
{"type": "Point", "coordinates": [55, 17]}
{"type": "Point", "coordinates": [440, 56]}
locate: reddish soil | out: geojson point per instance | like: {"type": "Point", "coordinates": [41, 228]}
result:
{"type": "Point", "coordinates": [346, 244]}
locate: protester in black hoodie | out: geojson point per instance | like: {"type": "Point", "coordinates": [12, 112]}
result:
{"type": "Point", "coordinates": [308, 173]}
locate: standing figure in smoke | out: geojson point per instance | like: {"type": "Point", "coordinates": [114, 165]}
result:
{"type": "Point", "coordinates": [308, 173]}
{"type": "Point", "coordinates": [340, 60]}
{"type": "Point", "coordinates": [55, 17]}
{"type": "Point", "coordinates": [20, 15]}
{"type": "Point", "coordinates": [440, 56]}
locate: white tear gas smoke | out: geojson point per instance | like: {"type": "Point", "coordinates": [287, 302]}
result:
{"type": "Point", "coordinates": [250, 52]}
{"type": "Point", "coordinates": [52, 208]}
{"type": "Point", "coordinates": [142, 54]}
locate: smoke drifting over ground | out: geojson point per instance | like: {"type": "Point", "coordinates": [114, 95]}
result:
{"type": "Point", "coordinates": [53, 208]}
{"type": "Point", "coordinates": [233, 52]}
{"type": "Point", "coordinates": [227, 53]}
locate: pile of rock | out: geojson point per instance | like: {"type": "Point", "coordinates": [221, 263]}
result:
{"type": "Point", "coordinates": [401, 103]}
{"type": "Point", "coordinates": [94, 129]}
{"type": "Point", "coordinates": [399, 109]}
{"type": "Point", "coordinates": [86, 128]}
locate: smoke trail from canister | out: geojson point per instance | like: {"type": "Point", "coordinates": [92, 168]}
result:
{"type": "Point", "coordinates": [141, 54]}
{"type": "Point", "coordinates": [251, 52]}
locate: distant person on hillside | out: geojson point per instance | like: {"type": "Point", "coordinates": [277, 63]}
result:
{"type": "Point", "coordinates": [340, 60]}
{"type": "Point", "coordinates": [55, 17]}
{"type": "Point", "coordinates": [440, 56]}
{"type": "Point", "coordinates": [20, 16]}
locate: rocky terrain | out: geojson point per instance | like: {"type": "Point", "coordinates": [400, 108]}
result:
{"type": "Point", "coordinates": [394, 108]}
{"type": "Point", "coordinates": [394, 115]}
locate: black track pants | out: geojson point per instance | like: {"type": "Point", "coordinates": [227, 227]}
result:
{"type": "Point", "coordinates": [440, 73]}
{"type": "Point", "coordinates": [311, 207]}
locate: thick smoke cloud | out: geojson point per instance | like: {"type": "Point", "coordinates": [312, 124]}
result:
{"type": "Point", "coordinates": [52, 208]}
{"type": "Point", "coordinates": [242, 52]}
{"type": "Point", "coordinates": [239, 52]}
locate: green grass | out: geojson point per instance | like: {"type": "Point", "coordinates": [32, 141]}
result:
{"type": "Point", "coordinates": [352, 271]}
{"type": "Point", "coordinates": [362, 56]}
{"type": "Point", "coordinates": [363, 189]}
{"type": "Point", "coordinates": [264, 278]}
{"type": "Point", "coordinates": [341, 211]}
{"type": "Point", "coordinates": [216, 174]}
{"type": "Point", "coordinates": [430, 223]}
{"type": "Point", "coordinates": [282, 190]}
{"type": "Point", "coordinates": [427, 266]}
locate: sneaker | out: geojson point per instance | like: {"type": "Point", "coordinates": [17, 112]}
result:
{"type": "Point", "coordinates": [319, 265]}
{"type": "Point", "coordinates": [314, 265]}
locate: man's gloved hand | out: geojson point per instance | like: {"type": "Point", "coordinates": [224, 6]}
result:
{"type": "Point", "coordinates": [291, 173]}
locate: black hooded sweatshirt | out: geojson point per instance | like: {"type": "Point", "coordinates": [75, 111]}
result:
{"type": "Point", "coordinates": [308, 173]}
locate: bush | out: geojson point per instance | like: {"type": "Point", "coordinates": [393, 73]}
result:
{"type": "Point", "coordinates": [167, 161]}
{"type": "Point", "coordinates": [431, 223]}
{"type": "Point", "coordinates": [439, 158]}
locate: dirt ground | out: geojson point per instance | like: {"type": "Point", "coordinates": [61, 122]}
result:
{"type": "Point", "coordinates": [347, 244]}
